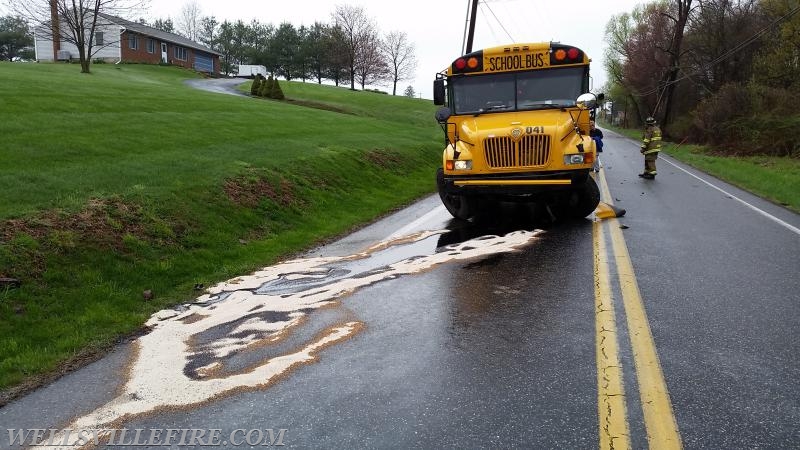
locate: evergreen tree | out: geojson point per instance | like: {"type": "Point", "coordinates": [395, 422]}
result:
{"type": "Point", "coordinates": [285, 43]}
{"type": "Point", "coordinates": [14, 37]}
{"type": "Point", "coordinates": [256, 84]}
{"type": "Point", "coordinates": [275, 91]}
{"type": "Point", "coordinates": [164, 25]}
{"type": "Point", "coordinates": [208, 31]}
{"type": "Point", "coordinates": [266, 87]}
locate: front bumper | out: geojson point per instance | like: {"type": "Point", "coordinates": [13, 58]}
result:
{"type": "Point", "coordinates": [514, 184]}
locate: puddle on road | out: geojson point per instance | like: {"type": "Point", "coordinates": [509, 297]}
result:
{"type": "Point", "coordinates": [194, 353]}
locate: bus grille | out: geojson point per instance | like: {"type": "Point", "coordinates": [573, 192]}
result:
{"type": "Point", "coordinates": [530, 151]}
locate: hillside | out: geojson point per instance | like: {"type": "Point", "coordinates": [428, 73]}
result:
{"type": "Point", "coordinates": [127, 180]}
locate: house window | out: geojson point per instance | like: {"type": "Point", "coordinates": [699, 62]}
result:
{"type": "Point", "coordinates": [180, 53]}
{"type": "Point", "coordinates": [151, 46]}
{"type": "Point", "coordinates": [133, 42]}
{"type": "Point", "coordinates": [98, 38]}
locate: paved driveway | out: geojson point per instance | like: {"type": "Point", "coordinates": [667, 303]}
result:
{"type": "Point", "coordinates": [219, 85]}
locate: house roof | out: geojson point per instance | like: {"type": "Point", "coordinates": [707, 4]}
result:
{"type": "Point", "coordinates": [158, 34]}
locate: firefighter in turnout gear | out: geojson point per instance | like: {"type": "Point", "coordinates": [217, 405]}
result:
{"type": "Point", "coordinates": [651, 145]}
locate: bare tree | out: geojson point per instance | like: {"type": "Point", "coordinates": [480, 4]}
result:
{"type": "Point", "coordinates": [189, 22]}
{"type": "Point", "coordinates": [355, 26]}
{"type": "Point", "coordinates": [74, 22]}
{"type": "Point", "coordinates": [718, 27]}
{"type": "Point", "coordinates": [370, 65]}
{"type": "Point", "coordinates": [400, 57]}
{"type": "Point", "coordinates": [679, 16]}
{"type": "Point", "coordinates": [639, 42]}
{"type": "Point", "coordinates": [335, 48]}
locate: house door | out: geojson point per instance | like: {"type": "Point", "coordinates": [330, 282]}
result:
{"type": "Point", "coordinates": [164, 53]}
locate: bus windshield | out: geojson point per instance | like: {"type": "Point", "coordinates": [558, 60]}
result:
{"type": "Point", "coordinates": [518, 91]}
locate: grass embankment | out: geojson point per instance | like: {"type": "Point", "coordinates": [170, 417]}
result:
{"type": "Point", "coordinates": [774, 178]}
{"type": "Point", "coordinates": [127, 180]}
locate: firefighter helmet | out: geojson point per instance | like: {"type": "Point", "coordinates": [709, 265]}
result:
{"type": "Point", "coordinates": [650, 121]}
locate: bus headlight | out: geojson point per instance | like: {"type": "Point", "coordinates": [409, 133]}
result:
{"type": "Point", "coordinates": [573, 159]}
{"type": "Point", "coordinates": [462, 165]}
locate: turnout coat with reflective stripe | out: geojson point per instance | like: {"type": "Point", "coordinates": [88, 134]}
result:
{"type": "Point", "coordinates": [651, 141]}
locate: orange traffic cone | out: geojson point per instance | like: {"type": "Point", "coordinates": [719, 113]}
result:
{"type": "Point", "coordinates": [606, 211]}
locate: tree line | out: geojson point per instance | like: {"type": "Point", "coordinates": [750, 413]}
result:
{"type": "Point", "coordinates": [718, 72]}
{"type": "Point", "coordinates": [16, 40]}
{"type": "Point", "coordinates": [350, 49]}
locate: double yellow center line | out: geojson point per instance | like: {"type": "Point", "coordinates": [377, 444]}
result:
{"type": "Point", "coordinates": [660, 424]}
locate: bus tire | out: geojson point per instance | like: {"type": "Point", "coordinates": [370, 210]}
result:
{"type": "Point", "coordinates": [459, 206]}
{"type": "Point", "coordinates": [581, 201]}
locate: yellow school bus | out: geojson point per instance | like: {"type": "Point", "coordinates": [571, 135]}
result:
{"type": "Point", "coordinates": [516, 125]}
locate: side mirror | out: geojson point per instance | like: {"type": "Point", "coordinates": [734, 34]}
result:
{"type": "Point", "coordinates": [442, 114]}
{"type": "Point", "coordinates": [601, 97]}
{"type": "Point", "coordinates": [438, 92]}
{"type": "Point", "coordinates": [587, 101]}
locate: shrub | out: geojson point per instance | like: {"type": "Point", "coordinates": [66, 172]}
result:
{"type": "Point", "coordinates": [748, 119]}
{"type": "Point", "coordinates": [683, 126]}
{"type": "Point", "coordinates": [266, 87]}
{"type": "Point", "coordinates": [275, 91]}
{"type": "Point", "coordinates": [256, 84]}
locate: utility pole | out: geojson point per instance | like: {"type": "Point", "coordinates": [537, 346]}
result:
{"type": "Point", "coordinates": [471, 34]}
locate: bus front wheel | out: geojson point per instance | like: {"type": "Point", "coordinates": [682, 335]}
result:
{"type": "Point", "coordinates": [459, 206]}
{"type": "Point", "coordinates": [580, 202]}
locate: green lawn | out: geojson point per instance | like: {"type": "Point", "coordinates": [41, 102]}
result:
{"type": "Point", "coordinates": [774, 178]}
{"type": "Point", "coordinates": [361, 103]}
{"type": "Point", "coordinates": [126, 180]}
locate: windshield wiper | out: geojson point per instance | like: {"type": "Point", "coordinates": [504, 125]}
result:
{"type": "Point", "coordinates": [483, 110]}
{"type": "Point", "coordinates": [550, 106]}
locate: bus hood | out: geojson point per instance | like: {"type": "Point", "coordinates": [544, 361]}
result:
{"type": "Point", "coordinates": [555, 123]}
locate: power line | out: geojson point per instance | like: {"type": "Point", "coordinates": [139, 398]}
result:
{"type": "Point", "coordinates": [512, 21]}
{"type": "Point", "coordinates": [489, 24]}
{"type": "Point", "coordinates": [498, 21]}
{"type": "Point", "coordinates": [509, 18]}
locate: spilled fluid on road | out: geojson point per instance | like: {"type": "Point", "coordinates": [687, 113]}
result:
{"type": "Point", "coordinates": [184, 360]}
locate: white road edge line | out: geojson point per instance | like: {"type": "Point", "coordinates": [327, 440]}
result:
{"type": "Point", "coordinates": [405, 229]}
{"type": "Point", "coordinates": [760, 211]}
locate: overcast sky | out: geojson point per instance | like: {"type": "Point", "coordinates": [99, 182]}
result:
{"type": "Point", "coordinates": [436, 27]}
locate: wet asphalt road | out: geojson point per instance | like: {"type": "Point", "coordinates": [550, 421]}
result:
{"type": "Point", "coordinates": [499, 351]}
